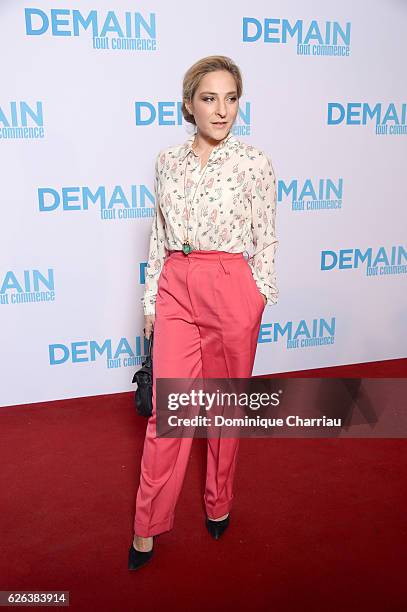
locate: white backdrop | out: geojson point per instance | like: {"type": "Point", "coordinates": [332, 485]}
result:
{"type": "Point", "coordinates": [71, 281]}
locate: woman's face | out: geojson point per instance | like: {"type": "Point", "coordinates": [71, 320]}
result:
{"type": "Point", "coordinates": [215, 105]}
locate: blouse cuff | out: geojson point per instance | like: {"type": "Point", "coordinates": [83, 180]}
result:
{"type": "Point", "coordinates": [149, 305]}
{"type": "Point", "coordinates": [269, 290]}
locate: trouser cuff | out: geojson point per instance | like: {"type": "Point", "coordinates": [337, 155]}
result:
{"type": "Point", "coordinates": [146, 531]}
{"type": "Point", "coordinates": [217, 510]}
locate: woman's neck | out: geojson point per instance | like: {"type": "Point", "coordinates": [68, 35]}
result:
{"type": "Point", "coordinates": [203, 146]}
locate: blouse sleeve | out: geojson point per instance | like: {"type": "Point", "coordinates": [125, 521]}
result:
{"type": "Point", "coordinates": [156, 254]}
{"type": "Point", "coordinates": [264, 201]}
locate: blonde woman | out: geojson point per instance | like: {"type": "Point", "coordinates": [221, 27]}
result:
{"type": "Point", "coordinates": [215, 199]}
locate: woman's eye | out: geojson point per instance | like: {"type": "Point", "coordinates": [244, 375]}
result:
{"type": "Point", "coordinates": [233, 99]}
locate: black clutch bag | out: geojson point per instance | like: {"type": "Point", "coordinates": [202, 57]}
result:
{"type": "Point", "coordinates": [143, 396]}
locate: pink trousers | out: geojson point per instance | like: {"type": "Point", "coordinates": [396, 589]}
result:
{"type": "Point", "coordinates": [207, 322]}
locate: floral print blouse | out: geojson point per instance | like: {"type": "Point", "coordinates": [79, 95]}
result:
{"type": "Point", "coordinates": [233, 209]}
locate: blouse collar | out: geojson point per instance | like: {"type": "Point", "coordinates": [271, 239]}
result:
{"type": "Point", "coordinates": [219, 152]}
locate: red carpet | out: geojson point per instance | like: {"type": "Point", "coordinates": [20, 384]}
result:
{"type": "Point", "coordinates": [317, 525]}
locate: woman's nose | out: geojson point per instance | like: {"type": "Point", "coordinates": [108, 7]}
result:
{"type": "Point", "coordinates": [221, 110]}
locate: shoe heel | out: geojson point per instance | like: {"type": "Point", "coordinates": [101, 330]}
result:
{"type": "Point", "coordinates": [217, 528]}
{"type": "Point", "coordinates": [137, 558]}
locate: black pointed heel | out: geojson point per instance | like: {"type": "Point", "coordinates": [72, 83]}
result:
{"type": "Point", "coordinates": [137, 558]}
{"type": "Point", "coordinates": [217, 528]}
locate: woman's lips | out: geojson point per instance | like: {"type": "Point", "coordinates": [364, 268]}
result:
{"type": "Point", "coordinates": [219, 125]}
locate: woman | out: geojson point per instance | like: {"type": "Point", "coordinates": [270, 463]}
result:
{"type": "Point", "coordinates": [215, 197]}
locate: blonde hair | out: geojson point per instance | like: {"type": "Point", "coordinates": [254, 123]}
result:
{"type": "Point", "coordinates": [197, 71]}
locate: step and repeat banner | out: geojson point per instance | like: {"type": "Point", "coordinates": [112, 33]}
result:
{"type": "Point", "coordinates": [91, 91]}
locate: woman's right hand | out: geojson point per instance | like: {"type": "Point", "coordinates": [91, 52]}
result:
{"type": "Point", "coordinates": [148, 325]}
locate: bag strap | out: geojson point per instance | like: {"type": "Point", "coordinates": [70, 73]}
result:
{"type": "Point", "coordinates": [257, 252]}
{"type": "Point", "coordinates": [150, 344]}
